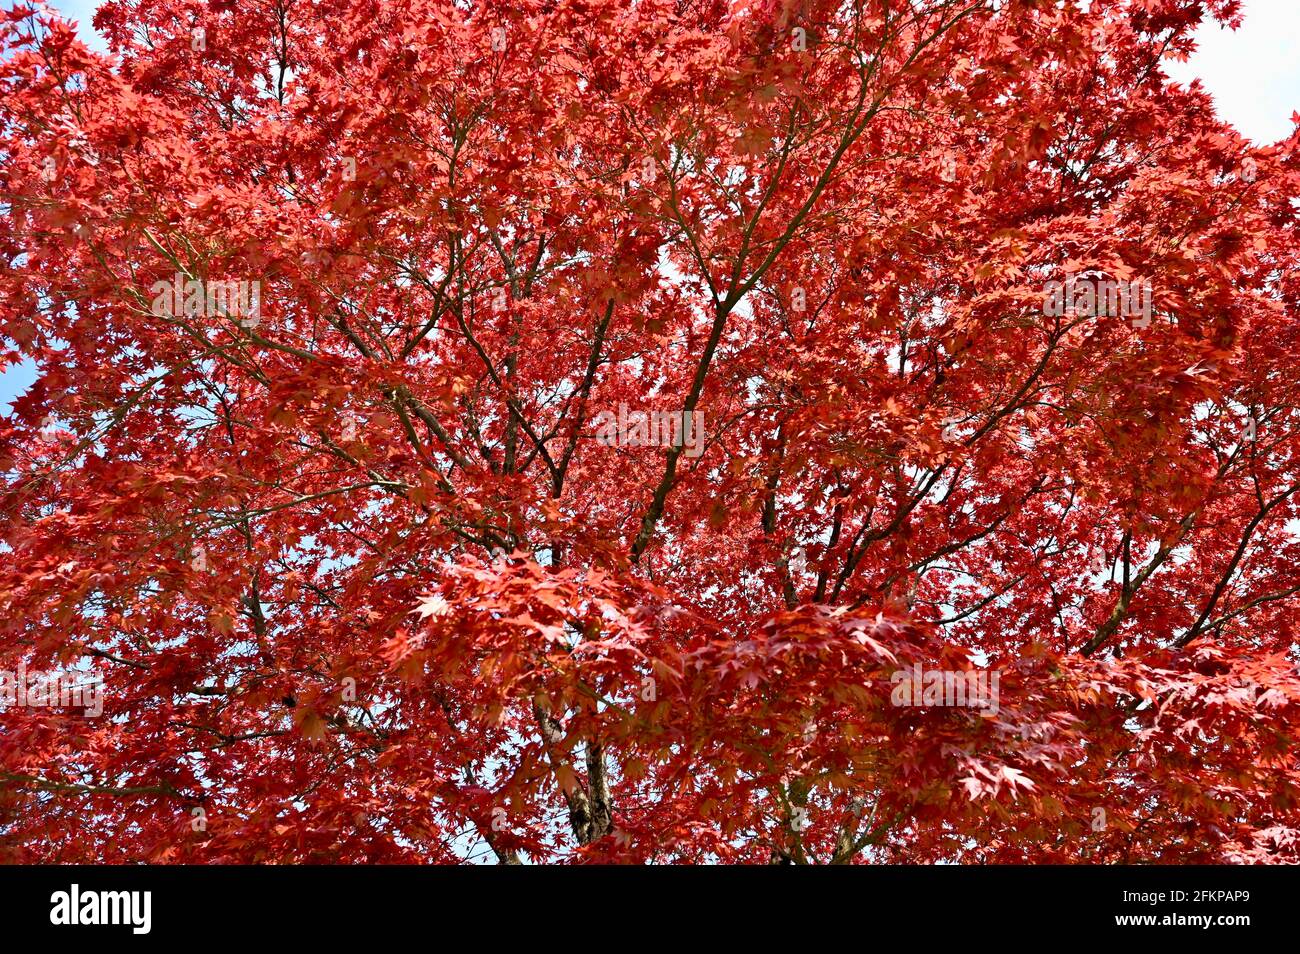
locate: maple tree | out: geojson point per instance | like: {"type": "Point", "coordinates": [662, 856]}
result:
{"type": "Point", "coordinates": [361, 578]}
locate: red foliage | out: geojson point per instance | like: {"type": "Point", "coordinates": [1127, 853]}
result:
{"type": "Point", "coordinates": [372, 569]}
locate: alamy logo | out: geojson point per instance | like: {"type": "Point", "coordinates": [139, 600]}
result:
{"type": "Point", "coordinates": [59, 688]}
{"type": "Point", "coordinates": [969, 688]}
{"type": "Point", "coordinates": [651, 429]}
{"type": "Point", "coordinates": [1092, 295]}
{"type": "Point", "coordinates": [210, 299]}
{"type": "Point", "coordinates": [103, 907]}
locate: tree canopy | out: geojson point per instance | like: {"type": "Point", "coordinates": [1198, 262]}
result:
{"type": "Point", "coordinates": [544, 431]}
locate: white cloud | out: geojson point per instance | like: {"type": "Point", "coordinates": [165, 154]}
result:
{"type": "Point", "coordinates": [1253, 73]}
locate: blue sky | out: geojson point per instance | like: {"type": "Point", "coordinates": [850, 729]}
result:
{"type": "Point", "coordinates": [1253, 74]}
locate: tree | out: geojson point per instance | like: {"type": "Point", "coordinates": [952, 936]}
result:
{"type": "Point", "coordinates": [579, 430]}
